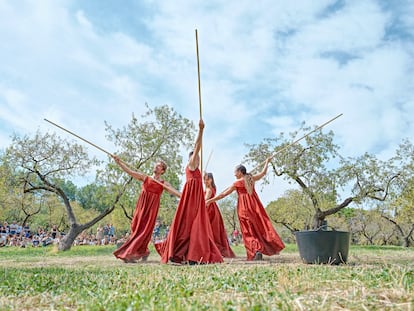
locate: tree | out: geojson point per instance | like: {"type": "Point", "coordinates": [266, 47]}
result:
{"type": "Point", "coordinates": [228, 211]}
{"type": "Point", "coordinates": [89, 196]}
{"type": "Point", "coordinates": [69, 188]}
{"type": "Point", "coordinates": [10, 191]}
{"type": "Point", "coordinates": [368, 227]}
{"type": "Point", "coordinates": [293, 210]}
{"type": "Point", "coordinates": [30, 205]}
{"type": "Point", "coordinates": [309, 165]}
{"type": "Point", "coordinates": [43, 162]}
{"type": "Point", "coordinates": [159, 134]}
{"type": "Point", "coordinates": [403, 220]}
{"type": "Point", "coordinates": [399, 211]}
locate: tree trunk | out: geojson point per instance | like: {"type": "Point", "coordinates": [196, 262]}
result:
{"type": "Point", "coordinates": [406, 241]}
{"type": "Point", "coordinates": [318, 219]}
{"type": "Point", "coordinates": [67, 242]}
{"type": "Point", "coordinates": [405, 237]}
{"type": "Point", "coordinates": [75, 228]}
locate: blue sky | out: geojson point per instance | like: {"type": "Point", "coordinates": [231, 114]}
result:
{"type": "Point", "coordinates": [265, 68]}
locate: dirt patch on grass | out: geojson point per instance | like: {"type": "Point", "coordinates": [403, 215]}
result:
{"type": "Point", "coordinates": [110, 260]}
{"type": "Point", "coordinates": [354, 259]}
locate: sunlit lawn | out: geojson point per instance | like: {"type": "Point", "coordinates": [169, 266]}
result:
{"type": "Point", "coordinates": [90, 278]}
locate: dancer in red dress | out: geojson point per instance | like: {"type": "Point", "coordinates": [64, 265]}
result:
{"type": "Point", "coordinates": [190, 238]}
{"type": "Point", "coordinates": [145, 215]}
{"type": "Point", "coordinates": [217, 225]}
{"type": "Point", "coordinates": [258, 234]}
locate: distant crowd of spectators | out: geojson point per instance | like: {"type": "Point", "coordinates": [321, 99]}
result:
{"type": "Point", "coordinates": [14, 234]}
{"type": "Point", "coordinates": [105, 235]}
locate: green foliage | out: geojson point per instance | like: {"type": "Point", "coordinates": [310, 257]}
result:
{"type": "Point", "coordinates": [347, 212]}
{"type": "Point", "coordinates": [68, 187]}
{"type": "Point", "coordinates": [159, 134]}
{"type": "Point", "coordinates": [402, 206]}
{"type": "Point", "coordinates": [368, 227]}
{"type": "Point", "coordinates": [228, 210]}
{"type": "Point", "coordinates": [316, 166]}
{"type": "Point", "coordinates": [167, 208]}
{"type": "Point", "coordinates": [398, 209]}
{"type": "Point", "coordinates": [293, 210]}
{"type": "Point", "coordinates": [10, 192]}
{"type": "Point", "coordinates": [49, 154]}
{"type": "Point", "coordinates": [46, 163]}
{"type": "Point", "coordinates": [92, 196]}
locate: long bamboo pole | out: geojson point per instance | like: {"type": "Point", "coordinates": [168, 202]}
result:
{"type": "Point", "coordinates": [299, 139]}
{"type": "Point", "coordinates": [199, 97]}
{"type": "Point", "coordinates": [101, 149]}
{"type": "Point", "coordinates": [81, 138]}
{"type": "Point", "coordinates": [208, 159]}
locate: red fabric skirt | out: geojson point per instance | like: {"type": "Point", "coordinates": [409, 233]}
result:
{"type": "Point", "coordinates": [257, 230]}
{"type": "Point", "coordinates": [219, 232]}
{"type": "Point", "coordinates": [143, 222]}
{"type": "Point", "coordinates": [190, 237]}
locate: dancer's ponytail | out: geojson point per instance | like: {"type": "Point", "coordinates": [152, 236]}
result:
{"type": "Point", "coordinates": [248, 178]}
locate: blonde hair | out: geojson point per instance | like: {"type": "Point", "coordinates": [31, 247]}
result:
{"type": "Point", "coordinates": [248, 178]}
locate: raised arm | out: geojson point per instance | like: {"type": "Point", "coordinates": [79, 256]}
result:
{"type": "Point", "coordinates": [125, 168]}
{"type": "Point", "coordinates": [221, 195]}
{"type": "Point", "coordinates": [192, 163]}
{"type": "Point", "coordinates": [264, 170]}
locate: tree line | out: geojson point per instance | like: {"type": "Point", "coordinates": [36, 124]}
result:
{"type": "Point", "coordinates": [370, 197]}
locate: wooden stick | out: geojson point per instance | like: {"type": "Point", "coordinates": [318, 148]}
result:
{"type": "Point", "coordinates": [199, 97]}
{"type": "Point", "coordinates": [101, 149]}
{"type": "Point", "coordinates": [297, 140]}
{"type": "Point", "coordinates": [208, 159]}
{"type": "Point", "coordinates": [87, 141]}
{"type": "Point", "coordinates": [198, 70]}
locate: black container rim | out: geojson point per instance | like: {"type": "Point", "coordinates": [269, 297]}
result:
{"type": "Point", "coordinates": [321, 231]}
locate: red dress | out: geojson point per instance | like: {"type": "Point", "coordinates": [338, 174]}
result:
{"type": "Point", "coordinates": [257, 231]}
{"type": "Point", "coordinates": [190, 237]}
{"type": "Point", "coordinates": [143, 223]}
{"type": "Point", "coordinates": [217, 226]}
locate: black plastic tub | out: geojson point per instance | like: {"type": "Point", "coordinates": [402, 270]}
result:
{"type": "Point", "coordinates": [323, 247]}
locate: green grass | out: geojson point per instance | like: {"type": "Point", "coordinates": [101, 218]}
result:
{"type": "Point", "coordinates": [90, 278]}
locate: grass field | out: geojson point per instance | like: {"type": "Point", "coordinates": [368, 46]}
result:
{"type": "Point", "coordinates": [90, 278]}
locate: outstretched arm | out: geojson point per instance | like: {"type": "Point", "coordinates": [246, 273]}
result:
{"type": "Point", "coordinates": [125, 168]}
{"type": "Point", "coordinates": [197, 147]}
{"type": "Point", "coordinates": [171, 190]}
{"type": "Point", "coordinates": [264, 170]}
{"type": "Point", "coordinates": [221, 195]}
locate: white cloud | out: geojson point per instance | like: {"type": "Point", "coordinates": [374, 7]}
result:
{"type": "Point", "coordinates": [265, 68]}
